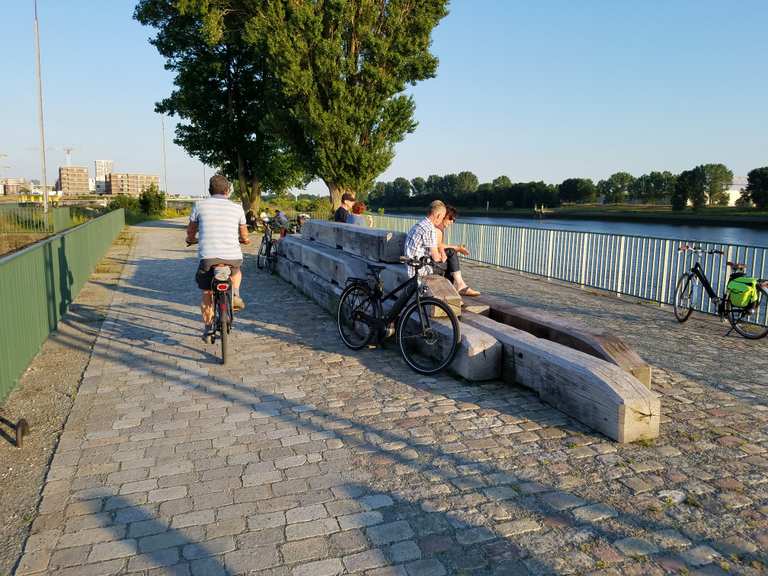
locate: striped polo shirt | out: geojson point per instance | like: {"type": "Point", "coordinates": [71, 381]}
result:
{"type": "Point", "coordinates": [218, 220]}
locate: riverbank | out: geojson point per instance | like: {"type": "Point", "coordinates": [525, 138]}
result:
{"type": "Point", "coordinates": [716, 216]}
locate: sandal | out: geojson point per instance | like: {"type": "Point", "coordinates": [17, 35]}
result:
{"type": "Point", "coordinates": [469, 292]}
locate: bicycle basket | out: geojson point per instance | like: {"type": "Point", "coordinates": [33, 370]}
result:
{"type": "Point", "coordinates": [742, 291]}
{"type": "Point", "coordinates": [222, 273]}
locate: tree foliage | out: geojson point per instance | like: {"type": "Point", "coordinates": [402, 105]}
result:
{"type": "Point", "coordinates": [718, 178]}
{"type": "Point", "coordinates": [223, 94]}
{"type": "Point", "coordinates": [653, 188]}
{"type": "Point", "coordinates": [690, 186]}
{"type": "Point", "coordinates": [341, 68]}
{"type": "Point", "coordinates": [578, 190]}
{"type": "Point", "coordinates": [757, 187]}
{"type": "Point", "coordinates": [152, 201]}
{"type": "Point", "coordinates": [615, 189]}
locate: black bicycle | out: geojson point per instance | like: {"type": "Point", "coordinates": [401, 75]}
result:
{"type": "Point", "coordinates": [427, 331]}
{"type": "Point", "coordinates": [692, 285]}
{"type": "Point", "coordinates": [223, 317]}
{"type": "Point", "coordinates": [266, 257]}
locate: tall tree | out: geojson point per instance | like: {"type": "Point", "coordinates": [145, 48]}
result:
{"type": "Point", "coordinates": [341, 69]}
{"type": "Point", "coordinates": [757, 187]}
{"type": "Point", "coordinates": [466, 183]}
{"type": "Point", "coordinates": [616, 188]}
{"type": "Point", "coordinates": [718, 178]}
{"type": "Point", "coordinates": [579, 190]}
{"type": "Point", "coordinates": [223, 96]}
{"type": "Point", "coordinates": [690, 186]}
{"type": "Point", "coordinates": [502, 182]}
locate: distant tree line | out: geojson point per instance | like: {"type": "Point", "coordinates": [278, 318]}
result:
{"type": "Point", "coordinates": [704, 185]}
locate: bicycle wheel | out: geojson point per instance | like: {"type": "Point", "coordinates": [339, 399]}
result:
{"type": "Point", "coordinates": [261, 255]}
{"type": "Point", "coordinates": [271, 259]}
{"type": "Point", "coordinates": [751, 322]}
{"type": "Point", "coordinates": [357, 308]}
{"type": "Point", "coordinates": [683, 304]}
{"type": "Point", "coordinates": [428, 335]}
{"type": "Point", "coordinates": [224, 325]}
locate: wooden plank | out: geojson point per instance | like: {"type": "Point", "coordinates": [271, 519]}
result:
{"type": "Point", "coordinates": [591, 390]}
{"type": "Point", "coordinates": [599, 343]}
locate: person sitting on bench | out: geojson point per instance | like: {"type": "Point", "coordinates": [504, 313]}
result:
{"type": "Point", "coordinates": [450, 253]}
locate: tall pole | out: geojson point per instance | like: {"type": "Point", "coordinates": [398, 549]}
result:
{"type": "Point", "coordinates": [165, 169]}
{"type": "Point", "coordinates": [40, 112]}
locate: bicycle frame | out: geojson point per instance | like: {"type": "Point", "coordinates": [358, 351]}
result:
{"type": "Point", "coordinates": [698, 271]}
{"type": "Point", "coordinates": [409, 288]}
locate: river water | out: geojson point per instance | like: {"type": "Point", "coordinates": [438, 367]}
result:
{"type": "Point", "coordinates": [719, 234]}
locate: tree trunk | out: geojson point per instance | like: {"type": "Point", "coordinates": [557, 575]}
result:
{"type": "Point", "coordinates": [337, 191]}
{"type": "Point", "coordinates": [255, 196]}
{"type": "Point", "coordinates": [245, 198]}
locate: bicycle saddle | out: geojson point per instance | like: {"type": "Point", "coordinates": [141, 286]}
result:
{"type": "Point", "coordinates": [737, 265]}
{"type": "Point", "coordinates": [375, 268]}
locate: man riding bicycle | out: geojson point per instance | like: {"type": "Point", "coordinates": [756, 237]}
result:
{"type": "Point", "coordinates": [220, 226]}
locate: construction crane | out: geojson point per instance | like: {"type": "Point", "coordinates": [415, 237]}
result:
{"type": "Point", "coordinates": [68, 153]}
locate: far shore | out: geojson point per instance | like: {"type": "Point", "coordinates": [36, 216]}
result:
{"type": "Point", "coordinates": [715, 216]}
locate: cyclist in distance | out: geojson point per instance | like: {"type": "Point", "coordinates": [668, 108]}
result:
{"type": "Point", "coordinates": [220, 226]}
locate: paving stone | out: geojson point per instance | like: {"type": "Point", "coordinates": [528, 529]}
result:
{"type": "Point", "coordinates": [431, 567]}
{"type": "Point", "coordinates": [390, 532]}
{"type": "Point", "coordinates": [112, 550]}
{"type": "Point", "coordinates": [310, 529]}
{"type": "Point", "coordinates": [594, 513]}
{"type": "Point", "coordinates": [330, 567]}
{"type": "Point", "coordinates": [364, 560]}
{"type": "Point", "coordinates": [517, 527]}
{"type": "Point", "coordinates": [245, 561]}
{"type": "Point", "coordinates": [404, 551]}
{"type": "Point", "coordinates": [305, 513]}
{"type": "Point", "coordinates": [305, 550]}
{"type": "Point", "coordinates": [634, 547]}
{"type": "Point", "coordinates": [699, 555]}
{"type": "Point", "coordinates": [360, 520]}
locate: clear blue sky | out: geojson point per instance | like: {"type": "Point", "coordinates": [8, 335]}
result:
{"type": "Point", "coordinates": [535, 89]}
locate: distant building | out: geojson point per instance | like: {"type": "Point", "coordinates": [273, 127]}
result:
{"type": "Point", "coordinates": [130, 184]}
{"type": "Point", "coordinates": [14, 186]}
{"type": "Point", "coordinates": [73, 180]}
{"type": "Point", "coordinates": [735, 188]}
{"type": "Point", "coordinates": [103, 168]}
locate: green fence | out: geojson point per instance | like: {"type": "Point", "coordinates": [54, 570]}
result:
{"type": "Point", "coordinates": [38, 283]}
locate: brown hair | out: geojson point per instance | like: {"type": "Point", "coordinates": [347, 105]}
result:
{"type": "Point", "coordinates": [347, 197]}
{"type": "Point", "coordinates": [451, 213]}
{"type": "Point", "coordinates": [218, 186]}
{"type": "Point", "coordinates": [358, 208]}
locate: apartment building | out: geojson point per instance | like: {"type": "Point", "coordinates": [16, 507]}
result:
{"type": "Point", "coordinates": [73, 180]}
{"type": "Point", "coordinates": [131, 184]}
{"type": "Point", "coordinates": [102, 169]}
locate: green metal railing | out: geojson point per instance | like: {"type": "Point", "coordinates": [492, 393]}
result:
{"type": "Point", "coordinates": [23, 225]}
{"type": "Point", "coordinates": [37, 285]}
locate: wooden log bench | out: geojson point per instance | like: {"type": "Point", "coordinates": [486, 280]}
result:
{"type": "Point", "coordinates": [591, 390]}
{"type": "Point", "coordinates": [593, 341]}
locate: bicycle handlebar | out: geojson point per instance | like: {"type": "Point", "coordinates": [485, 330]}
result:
{"type": "Point", "coordinates": [417, 262]}
{"type": "Point", "coordinates": [698, 250]}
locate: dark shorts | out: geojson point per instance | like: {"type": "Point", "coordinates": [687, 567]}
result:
{"type": "Point", "coordinates": [204, 274]}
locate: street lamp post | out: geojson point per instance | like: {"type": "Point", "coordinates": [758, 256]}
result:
{"type": "Point", "coordinates": [40, 112]}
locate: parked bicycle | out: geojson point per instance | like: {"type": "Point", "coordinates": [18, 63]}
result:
{"type": "Point", "coordinates": [266, 256]}
{"type": "Point", "coordinates": [427, 331]}
{"type": "Point", "coordinates": [744, 302]}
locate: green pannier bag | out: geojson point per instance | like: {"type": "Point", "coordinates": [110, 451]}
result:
{"type": "Point", "coordinates": [742, 291]}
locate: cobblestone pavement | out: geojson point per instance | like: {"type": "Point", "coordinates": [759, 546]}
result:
{"type": "Point", "coordinates": [306, 459]}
